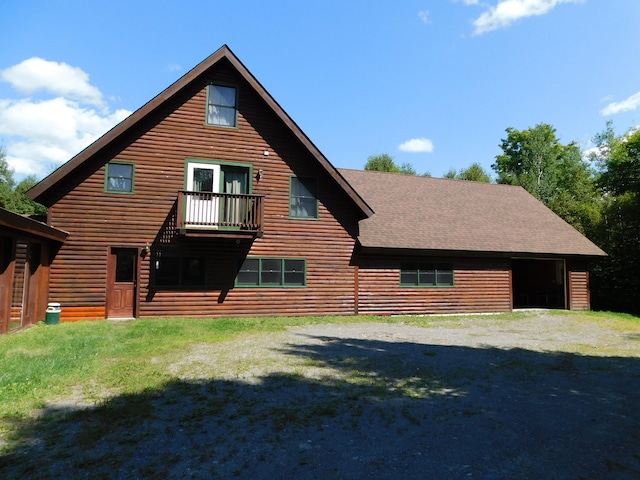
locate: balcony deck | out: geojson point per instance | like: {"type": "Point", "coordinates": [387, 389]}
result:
{"type": "Point", "coordinates": [228, 215]}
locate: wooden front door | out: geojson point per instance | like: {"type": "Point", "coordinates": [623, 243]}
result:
{"type": "Point", "coordinates": [122, 276]}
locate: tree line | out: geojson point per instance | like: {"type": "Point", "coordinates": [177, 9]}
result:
{"type": "Point", "coordinates": [13, 195]}
{"type": "Point", "coordinates": [597, 192]}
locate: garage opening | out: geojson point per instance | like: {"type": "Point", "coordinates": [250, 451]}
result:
{"type": "Point", "coordinates": [538, 283]}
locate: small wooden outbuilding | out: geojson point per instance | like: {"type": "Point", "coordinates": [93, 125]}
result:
{"type": "Point", "coordinates": [27, 248]}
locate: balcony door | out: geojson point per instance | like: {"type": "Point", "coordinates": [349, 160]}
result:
{"type": "Point", "coordinates": [205, 208]}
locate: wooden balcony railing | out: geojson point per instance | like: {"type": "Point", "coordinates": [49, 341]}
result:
{"type": "Point", "coordinates": [223, 213]}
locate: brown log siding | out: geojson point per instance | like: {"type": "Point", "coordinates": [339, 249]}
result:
{"type": "Point", "coordinates": [480, 286]}
{"type": "Point", "coordinates": [97, 220]}
{"type": "Point", "coordinates": [579, 297]}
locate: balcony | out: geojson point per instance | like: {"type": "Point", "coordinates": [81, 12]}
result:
{"type": "Point", "coordinates": [228, 215]}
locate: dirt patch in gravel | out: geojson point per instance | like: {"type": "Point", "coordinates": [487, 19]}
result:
{"type": "Point", "coordinates": [546, 396]}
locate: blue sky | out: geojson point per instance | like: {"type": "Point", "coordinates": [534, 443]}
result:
{"type": "Point", "coordinates": [433, 82]}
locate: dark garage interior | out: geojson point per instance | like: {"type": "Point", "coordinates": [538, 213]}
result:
{"type": "Point", "coordinates": [538, 283]}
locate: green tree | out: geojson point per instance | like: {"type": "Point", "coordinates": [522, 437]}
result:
{"type": "Point", "coordinates": [382, 163]}
{"type": "Point", "coordinates": [385, 163]}
{"type": "Point", "coordinates": [407, 169]}
{"type": "Point", "coordinates": [554, 173]}
{"type": "Point", "coordinates": [23, 203]}
{"type": "Point", "coordinates": [473, 173]}
{"type": "Point", "coordinates": [616, 280]}
{"type": "Point", "coordinates": [452, 174]}
{"type": "Point", "coordinates": [529, 159]}
{"type": "Point", "coordinates": [13, 196]}
{"type": "Point", "coordinates": [7, 183]}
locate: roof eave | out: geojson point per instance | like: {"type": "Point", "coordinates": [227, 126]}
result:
{"type": "Point", "coordinates": [39, 191]}
{"type": "Point", "coordinates": [386, 250]}
{"type": "Point", "coordinates": [30, 226]}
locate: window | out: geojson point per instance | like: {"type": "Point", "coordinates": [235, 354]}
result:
{"type": "Point", "coordinates": [221, 106]}
{"type": "Point", "coordinates": [272, 272]}
{"type": "Point", "coordinates": [179, 271]}
{"type": "Point", "coordinates": [119, 177]}
{"type": "Point", "coordinates": [426, 275]}
{"type": "Point", "coordinates": [303, 202]}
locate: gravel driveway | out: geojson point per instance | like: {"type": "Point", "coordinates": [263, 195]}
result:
{"type": "Point", "coordinates": [543, 397]}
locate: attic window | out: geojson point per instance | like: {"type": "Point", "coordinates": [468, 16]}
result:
{"type": "Point", "coordinates": [303, 201]}
{"type": "Point", "coordinates": [119, 178]}
{"type": "Point", "coordinates": [221, 106]}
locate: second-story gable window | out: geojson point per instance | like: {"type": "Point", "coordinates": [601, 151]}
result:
{"type": "Point", "coordinates": [303, 202]}
{"type": "Point", "coordinates": [119, 177]}
{"type": "Point", "coordinates": [221, 106]}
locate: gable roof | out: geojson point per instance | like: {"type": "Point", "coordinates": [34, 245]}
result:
{"type": "Point", "coordinates": [41, 191]}
{"type": "Point", "coordinates": [425, 213]}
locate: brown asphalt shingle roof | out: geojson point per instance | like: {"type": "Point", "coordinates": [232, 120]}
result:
{"type": "Point", "coordinates": [425, 213]}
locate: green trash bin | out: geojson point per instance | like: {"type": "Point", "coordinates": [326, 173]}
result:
{"type": "Point", "coordinates": [52, 315]}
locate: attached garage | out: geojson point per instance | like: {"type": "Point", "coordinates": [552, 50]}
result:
{"type": "Point", "coordinates": [539, 283]}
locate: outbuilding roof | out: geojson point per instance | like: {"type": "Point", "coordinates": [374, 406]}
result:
{"type": "Point", "coordinates": [22, 224]}
{"type": "Point", "coordinates": [423, 213]}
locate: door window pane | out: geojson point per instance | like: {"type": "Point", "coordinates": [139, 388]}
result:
{"type": "Point", "coordinates": [125, 265]}
{"type": "Point", "coordinates": [202, 180]}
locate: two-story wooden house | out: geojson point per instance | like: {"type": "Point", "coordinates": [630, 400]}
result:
{"type": "Point", "coordinates": [210, 201]}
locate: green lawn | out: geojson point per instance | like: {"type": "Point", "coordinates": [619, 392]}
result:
{"type": "Point", "coordinates": [125, 372]}
{"type": "Point", "coordinates": [44, 362]}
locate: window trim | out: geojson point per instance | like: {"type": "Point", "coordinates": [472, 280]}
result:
{"type": "Point", "coordinates": [317, 213]}
{"type": "Point", "coordinates": [418, 266]}
{"type": "Point", "coordinates": [283, 271]}
{"type": "Point", "coordinates": [235, 106]}
{"type": "Point", "coordinates": [107, 176]}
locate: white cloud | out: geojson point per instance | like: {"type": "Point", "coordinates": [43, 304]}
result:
{"type": "Point", "coordinates": [631, 103]}
{"type": "Point", "coordinates": [507, 12]}
{"type": "Point", "coordinates": [425, 16]}
{"type": "Point", "coordinates": [36, 74]}
{"type": "Point", "coordinates": [43, 133]}
{"type": "Point", "coordinates": [417, 145]}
